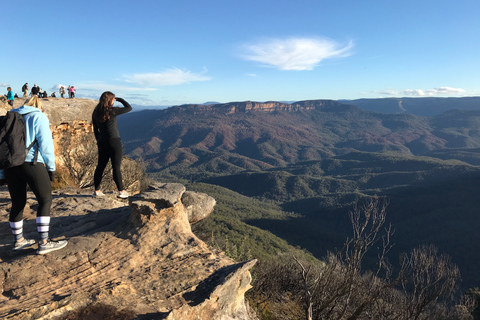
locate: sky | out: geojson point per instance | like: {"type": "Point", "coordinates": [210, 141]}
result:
{"type": "Point", "coordinates": [163, 53]}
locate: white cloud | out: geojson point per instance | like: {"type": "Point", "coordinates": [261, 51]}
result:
{"type": "Point", "coordinates": [424, 93]}
{"type": "Point", "coordinates": [168, 77]}
{"type": "Point", "coordinates": [414, 92]}
{"type": "Point", "coordinates": [4, 84]}
{"type": "Point", "coordinates": [93, 89]}
{"type": "Point", "coordinates": [447, 90]}
{"type": "Point", "coordinates": [100, 86]}
{"type": "Point", "coordinates": [434, 92]}
{"type": "Point", "coordinates": [388, 92]}
{"type": "Point", "coordinates": [295, 53]}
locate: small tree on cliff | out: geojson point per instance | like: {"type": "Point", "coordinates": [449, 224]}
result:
{"type": "Point", "coordinates": [79, 155]}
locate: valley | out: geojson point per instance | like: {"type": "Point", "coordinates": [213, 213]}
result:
{"type": "Point", "coordinates": [310, 162]}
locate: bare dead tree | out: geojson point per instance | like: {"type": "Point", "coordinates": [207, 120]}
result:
{"type": "Point", "coordinates": [430, 277]}
{"type": "Point", "coordinates": [422, 287]}
{"type": "Point", "coordinates": [309, 285]}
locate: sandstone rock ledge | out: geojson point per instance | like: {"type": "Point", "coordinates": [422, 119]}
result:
{"type": "Point", "coordinates": [135, 260]}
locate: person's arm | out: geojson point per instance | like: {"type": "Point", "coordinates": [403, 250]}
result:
{"type": "Point", "coordinates": [45, 141]}
{"type": "Point", "coordinates": [126, 107]}
{"type": "Point", "coordinates": [95, 128]}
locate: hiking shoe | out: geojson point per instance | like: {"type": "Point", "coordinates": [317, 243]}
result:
{"type": "Point", "coordinates": [98, 193]}
{"type": "Point", "coordinates": [25, 243]}
{"type": "Point", "coordinates": [123, 194]}
{"type": "Point", "coordinates": [51, 246]}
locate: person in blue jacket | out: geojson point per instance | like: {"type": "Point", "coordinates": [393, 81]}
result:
{"type": "Point", "coordinates": [36, 176]}
{"type": "Point", "coordinates": [10, 97]}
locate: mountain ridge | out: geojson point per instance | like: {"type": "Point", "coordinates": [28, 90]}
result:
{"type": "Point", "coordinates": [249, 136]}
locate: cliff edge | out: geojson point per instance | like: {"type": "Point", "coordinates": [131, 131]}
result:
{"type": "Point", "coordinates": [124, 260]}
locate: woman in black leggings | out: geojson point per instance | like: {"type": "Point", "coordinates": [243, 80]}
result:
{"type": "Point", "coordinates": [104, 119]}
{"type": "Point", "coordinates": [37, 171]}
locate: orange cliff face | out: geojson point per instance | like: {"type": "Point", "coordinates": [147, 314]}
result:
{"type": "Point", "coordinates": [70, 122]}
{"type": "Point", "coordinates": [71, 125]}
{"type": "Point", "coordinates": [70, 135]}
{"type": "Point", "coordinates": [252, 106]}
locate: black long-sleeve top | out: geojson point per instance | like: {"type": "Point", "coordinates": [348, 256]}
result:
{"type": "Point", "coordinates": [104, 131]}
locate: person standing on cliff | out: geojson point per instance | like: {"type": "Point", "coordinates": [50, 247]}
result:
{"type": "Point", "coordinates": [25, 90]}
{"type": "Point", "coordinates": [10, 97]}
{"type": "Point", "coordinates": [37, 171]}
{"type": "Point", "coordinates": [35, 90]}
{"type": "Point", "coordinates": [62, 91]}
{"type": "Point", "coordinates": [104, 119]}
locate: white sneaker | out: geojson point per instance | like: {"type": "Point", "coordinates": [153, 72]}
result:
{"type": "Point", "coordinates": [51, 246]}
{"type": "Point", "coordinates": [98, 193]}
{"type": "Point", "coordinates": [25, 243]}
{"type": "Point", "coordinates": [123, 194]}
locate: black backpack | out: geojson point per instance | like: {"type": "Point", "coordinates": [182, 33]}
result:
{"type": "Point", "coordinates": [12, 141]}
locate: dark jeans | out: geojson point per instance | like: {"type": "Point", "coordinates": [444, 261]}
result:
{"type": "Point", "coordinates": [36, 176]}
{"type": "Point", "coordinates": [106, 151]}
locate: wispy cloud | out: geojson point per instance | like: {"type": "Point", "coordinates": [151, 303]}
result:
{"type": "Point", "coordinates": [101, 86]}
{"type": "Point", "coordinates": [2, 84]}
{"type": "Point", "coordinates": [93, 89]}
{"type": "Point", "coordinates": [295, 53]}
{"type": "Point", "coordinates": [424, 93]}
{"type": "Point", "coordinates": [169, 77]}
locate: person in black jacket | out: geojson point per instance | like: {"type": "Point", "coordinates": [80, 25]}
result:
{"type": "Point", "coordinates": [104, 119]}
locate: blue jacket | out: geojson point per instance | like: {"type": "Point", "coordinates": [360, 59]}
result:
{"type": "Point", "coordinates": [10, 95]}
{"type": "Point", "coordinates": [37, 126]}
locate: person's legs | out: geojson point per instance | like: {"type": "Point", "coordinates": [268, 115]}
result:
{"type": "Point", "coordinates": [103, 157]}
{"type": "Point", "coordinates": [17, 187]}
{"type": "Point", "coordinates": [116, 154]}
{"type": "Point", "coordinates": [39, 181]}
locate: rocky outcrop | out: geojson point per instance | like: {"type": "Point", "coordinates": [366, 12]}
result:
{"type": "Point", "coordinates": [125, 260]}
{"type": "Point", "coordinates": [197, 205]}
{"type": "Point", "coordinates": [69, 119]}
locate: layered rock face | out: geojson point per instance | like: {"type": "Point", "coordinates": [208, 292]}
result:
{"type": "Point", "coordinates": [269, 106]}
{"type": "Point", "coordinates": [69, 118]}
{"type": "Point", "coordinates": [124, 260]}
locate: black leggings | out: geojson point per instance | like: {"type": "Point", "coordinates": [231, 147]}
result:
{"type": "Point", "coordinates": [39, 182]}
{"type": "Point", "coordinates": [106, 151]}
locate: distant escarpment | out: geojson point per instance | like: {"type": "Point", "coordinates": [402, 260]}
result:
{"type": "Point", "coordinates": [135, 260]}
{"type": "Point", "coordinates": [269, 106]}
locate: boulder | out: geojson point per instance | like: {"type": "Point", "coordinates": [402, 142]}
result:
{"type": "Point", "coordinates": [197, 205]}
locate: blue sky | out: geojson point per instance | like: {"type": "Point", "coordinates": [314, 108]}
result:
{"type": "Point", "coordinates": [175, 52]}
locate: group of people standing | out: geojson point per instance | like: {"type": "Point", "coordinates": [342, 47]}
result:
{"type": "Point", "coordinates": [36, 90]}
{"type": "Point", "coordinates": [71, 91]}
{"type": "Point", "coordinates": [38, 170]}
